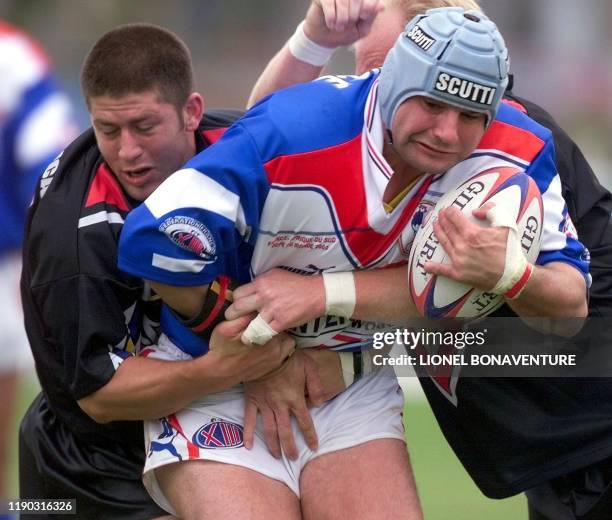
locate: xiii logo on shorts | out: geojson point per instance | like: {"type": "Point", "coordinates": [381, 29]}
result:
{"type": "Point", "coordinates": [219, 434]}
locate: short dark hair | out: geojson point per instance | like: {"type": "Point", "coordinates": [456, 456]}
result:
{"type": "Point", "coordinates": [135, 58]}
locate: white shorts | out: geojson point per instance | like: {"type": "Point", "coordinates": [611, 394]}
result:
{"type": "Point", "coordinates": [211, 429]}
{"type": "Point", "coordinates": [14, 347]}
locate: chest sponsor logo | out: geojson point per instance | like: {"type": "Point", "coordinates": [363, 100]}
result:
{"type": "Point", "coordinates": [191, 235]}
{"type": "Point", "coordinates": [462, 88]}
{"type": "Point", "coordinates": [330, 324]}
{"type": "Point", "coordinates": [302, 241]}
{"type": "Point", "coordinates": [420, 38]}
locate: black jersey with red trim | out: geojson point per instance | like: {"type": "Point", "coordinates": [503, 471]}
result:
{"type": "Point", "coordinates": [82, 314]}
{"type": "Point", "coordinates": [512, 434]}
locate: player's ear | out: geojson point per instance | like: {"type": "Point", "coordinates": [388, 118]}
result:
{"type": "Point", "coordinates": [193, 111]}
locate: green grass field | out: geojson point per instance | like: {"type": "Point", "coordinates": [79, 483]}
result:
{"type": "Point", "coordinates": [445, 488]}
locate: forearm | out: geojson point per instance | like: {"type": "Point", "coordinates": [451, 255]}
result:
{"type": "Point", "coordinates": [144, 388]}
{"type": "Point", "coordinates": [384, 294]}
{"type": "Point", "coordinates": [555, 290]}
{"type": "Point", "coordinates": [328, 25]}
{"type": "Point", "coordinates": [282, 71]}
{"type": "Point", "coordinates": [187, 301]}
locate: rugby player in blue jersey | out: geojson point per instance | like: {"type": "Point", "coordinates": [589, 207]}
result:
{"type": "Point", "coordinates": [324, 178]}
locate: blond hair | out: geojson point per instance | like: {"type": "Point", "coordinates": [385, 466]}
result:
{"type": "Point", "coordinates": [411, 8]}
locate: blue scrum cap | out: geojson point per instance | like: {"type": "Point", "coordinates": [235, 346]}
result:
{"type": "Point", "coordinates": [448, 54]}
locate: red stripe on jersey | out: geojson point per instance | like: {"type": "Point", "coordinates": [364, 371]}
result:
{"type": "Point", "coordinates": [347, 339]}
{"type": "Point", "coordinates": [105, 188]}
{"type": "Point", "coordinates": [347, 192]}
{"type": "Point", "coordinates": [213, 135]}
{"type": "Point", "coordinates": [511, 140]}
{"type": "Point", "coordinates": [515, 104]}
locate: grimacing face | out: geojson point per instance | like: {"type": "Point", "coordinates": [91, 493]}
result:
{"type": "Point", "coordinates": [431, 136]}
{"type": "Point", "coordinates": [143, 138]}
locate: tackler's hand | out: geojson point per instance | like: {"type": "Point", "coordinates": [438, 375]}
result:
{"type": "Point", "coordinates": [242, 362]}
{"type": "Point", "coordinates": [337, 23]}
{"type": "Point", "coordinates": [282, 299]}
{"type": "Point", "coordinates": [277, 397]}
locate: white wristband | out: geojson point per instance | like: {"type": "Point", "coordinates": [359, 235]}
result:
{"type": "Point", "coordinates": [304, 49]}
{"type": "Point", "coordinates": [340, 294]}
{"type": "Point", "coordinates": [515, 263]}
{"type": "Point", "coordinates": [258, 332]}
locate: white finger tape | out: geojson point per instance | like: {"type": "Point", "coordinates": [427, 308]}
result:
{"type": "Point", "coordinates": [258, 332]}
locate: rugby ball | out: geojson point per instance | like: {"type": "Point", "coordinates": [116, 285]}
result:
{"type": "Point", "coordinates": [441, 297]}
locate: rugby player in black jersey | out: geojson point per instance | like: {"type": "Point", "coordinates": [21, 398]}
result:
{"type": "Point", "coordinates": [87, 321]}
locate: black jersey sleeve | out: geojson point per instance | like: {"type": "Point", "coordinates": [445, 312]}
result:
{"type": "Point", "coordinates": [85, 317]}
{"type": "Point", "coordinates": [589, 205]}
{"type": "Point", "coordinates": [77, 304]}
{"type": "Point", "coordinates": [220, 118]}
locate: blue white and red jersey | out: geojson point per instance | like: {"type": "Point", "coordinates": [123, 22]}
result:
{"type": "Point", "coordinates": [35, 125]}
{"type": "Point", "coordinates": [298, 183]}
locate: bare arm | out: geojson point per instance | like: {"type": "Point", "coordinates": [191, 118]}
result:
{"type": "Point", "coordinates": [554, 290]}
{"type": "Point", "coordinates": [144, 388]}
{"type": "Point", "coordinates": [286, 299]}
{"type": "Point", "coordinates": [328, 23]}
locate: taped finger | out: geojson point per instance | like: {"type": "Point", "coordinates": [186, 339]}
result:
{"type": "Point", "coordinates": [258, 332]}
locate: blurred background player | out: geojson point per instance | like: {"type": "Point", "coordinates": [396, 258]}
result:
{"type": "Point", "coordinates": [35, 125]}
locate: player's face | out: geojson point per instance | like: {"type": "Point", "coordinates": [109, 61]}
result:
{"type": "Point", "coordinates": [371, 50]}
{"type": "Point", "coordinates": [431, 137]}
{"type": "Point", "coordinates": [143, 139]}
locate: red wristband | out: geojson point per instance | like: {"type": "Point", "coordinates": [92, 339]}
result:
{"type": "Point", "coordinates": [515, 291]}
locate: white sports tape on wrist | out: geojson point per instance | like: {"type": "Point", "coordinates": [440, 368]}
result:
{"type": "Point", "coordinates": [516, 263]}
{"type": "Point", "coordinates": [304, 49]}
{"type": "Point", "coordinates": [258, 332]}
{"type": "Point", "coordinates": [340, 295]}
